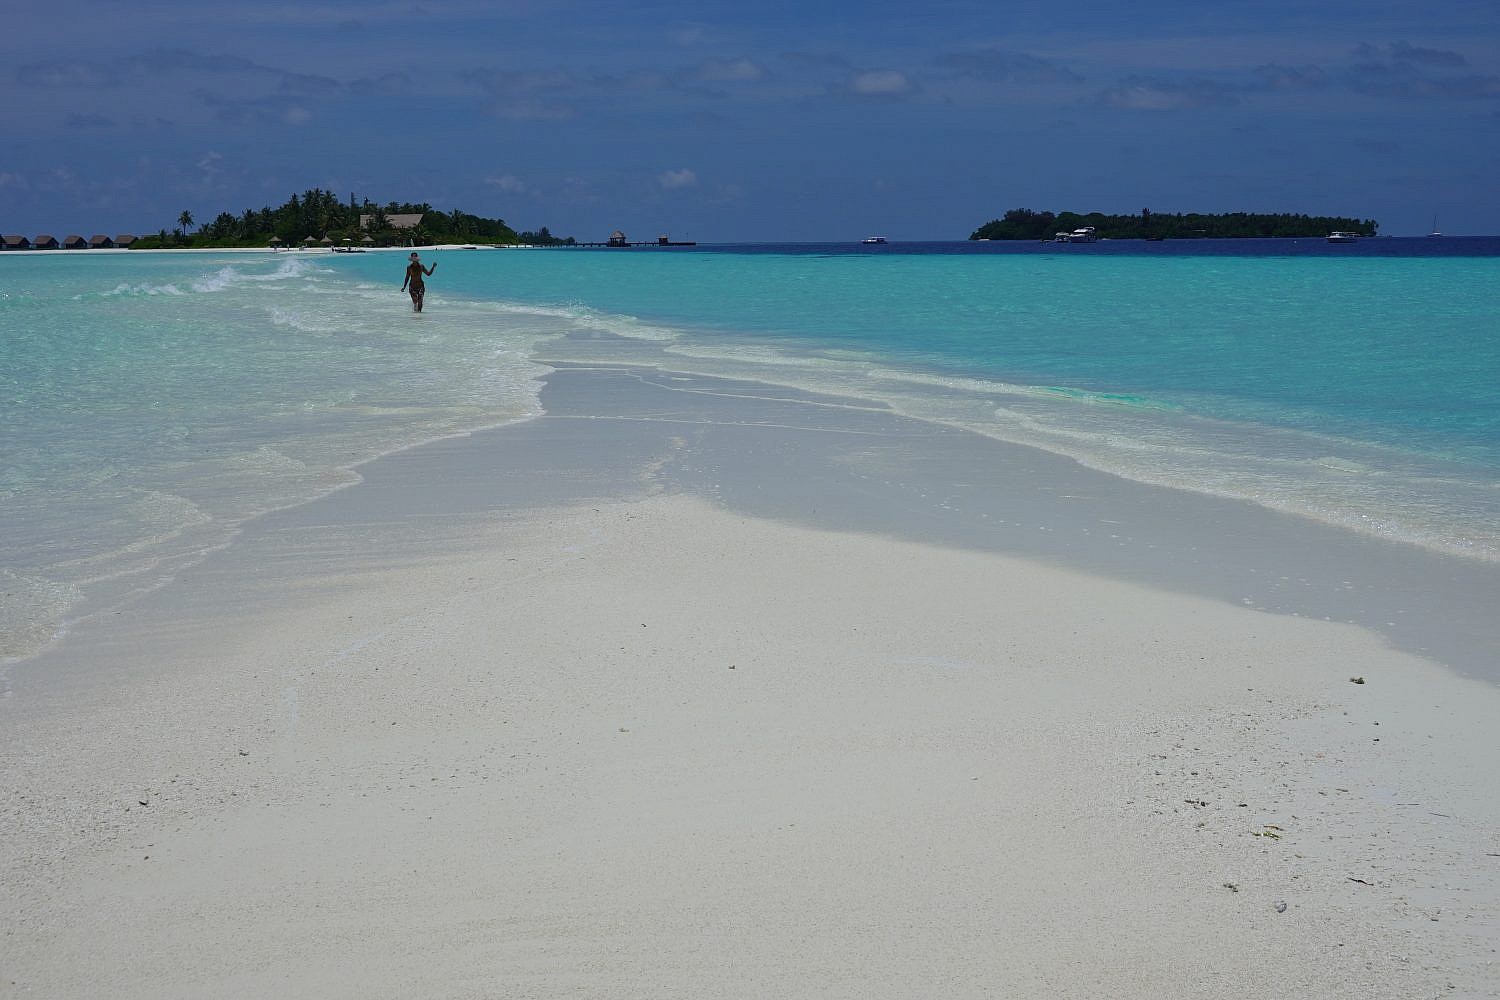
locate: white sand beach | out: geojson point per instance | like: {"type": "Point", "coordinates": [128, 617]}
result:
{"type": "Point", "coordinates": [520, 716]}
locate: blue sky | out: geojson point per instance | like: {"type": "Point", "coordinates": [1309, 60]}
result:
{"type": "Point", "coordinates": [751, 121]}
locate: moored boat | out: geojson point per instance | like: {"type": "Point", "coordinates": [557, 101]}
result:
{"type": "Point", "coordinates": [1083, 234]}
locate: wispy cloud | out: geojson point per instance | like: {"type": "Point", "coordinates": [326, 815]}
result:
{"type": "Point", "coordinates": [1401, 70]}
{"type": "Point", "coordinates": [384, 84]}
{"type": "Point", "coordinates": [1010, 67]}
{"type": "Point", "coordinates": [525, 95]}
{"type": "Point", "coordinates": [728, 71]}
{"type": "Point", "coordinates": [509, 183]}
{"type": "Point", "coordinates": [1408, 53]}
{"type": "Point", "coordinates": [672, 180]}
{"type": "Point", "coordinates": [87, 121]}
{"type": "Point", "coordinates": [1275, 77]}
{"type": "Point", "coordinates": [1382, 82]}
{"type": "Point", "coordinates": [1140, 93]}
{"type": "Point", "coordinates": [272, 109]}
{"type": "Point", "coordinates": [210, 166]}
{"type": "Point", "coordinates": [887, 84]}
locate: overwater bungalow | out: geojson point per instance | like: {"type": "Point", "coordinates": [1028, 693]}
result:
{"type": "Point", "coordinates": [75, 242]}
{"type": "Point", "coordinates": [100, 242]}
{"type": "Point", "coordinates": [124, 239]}
{"type": "Point", "coordinates": [13, 241]}
{"type": "Point", "coordinates": [617, 239]}
{"type": "Point", "coordinates": [46, 241]}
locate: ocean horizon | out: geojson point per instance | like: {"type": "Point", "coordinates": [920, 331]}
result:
{"type": "Point", "coordinates": [154, 403]}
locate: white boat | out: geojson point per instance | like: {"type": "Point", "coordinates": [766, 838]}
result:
{"type": "Point", "coordinates": [873, 239]}
{"type": "Point", "coordinates": [1435, 230]}
{"type": "Point", "coordinates": [1342, 237]}
{"type": "Point", "coordinates": [1084, 234]}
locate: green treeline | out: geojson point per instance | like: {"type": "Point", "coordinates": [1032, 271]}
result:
{"type": "Point", "coordinates": [1026, 224]}
{"type": "Point", "coordinates": [320, 215]}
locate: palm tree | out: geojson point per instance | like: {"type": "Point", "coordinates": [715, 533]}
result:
{"type": "Point", "coordinates": [185, 220]}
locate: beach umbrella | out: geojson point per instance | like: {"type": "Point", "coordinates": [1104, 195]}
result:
{"type": "Point", "coordinates": [368, 239]}
{"type": "Point", "coordinates": [309, 239]}
{"type": "Point", "coordinates": [275, 239]}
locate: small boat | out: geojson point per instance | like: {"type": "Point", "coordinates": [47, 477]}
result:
{"type": "Point", "coordinates": [873, 239]}
{"type": "Point", "coordinates": [1435, 230]}
{"type": "Point", "coordinates": [1342, 237]}
{"type": "Point", "coordinates": [1083, 234]}
{"type": "Point", "coordinates": [348, 250]}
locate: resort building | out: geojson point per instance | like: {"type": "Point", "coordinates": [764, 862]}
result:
{"type": "Point", "coordinates": [617, 239]}
{"type": "Point", "coordinates": [124, 239]}
{"type": "Point", "coordinates": [14, 242]}
{"type": "Point", "coordinates": [75, 242]}
{"type": "Point", "coordinates": [45, 241]}
{"type": "Point", "coordinates": [101, 242]}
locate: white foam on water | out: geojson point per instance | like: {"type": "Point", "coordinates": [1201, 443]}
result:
{"type": "Point", "coordinates": [275, 384]}
{"type": "Point", "coordinates": [1355, 485]}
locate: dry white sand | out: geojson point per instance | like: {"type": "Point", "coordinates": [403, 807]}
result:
{"type": "Point", "coordinates": [654, 749]}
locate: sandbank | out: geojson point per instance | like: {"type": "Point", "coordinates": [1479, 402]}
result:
{"type": "Point", "coordinates": [705, 688]}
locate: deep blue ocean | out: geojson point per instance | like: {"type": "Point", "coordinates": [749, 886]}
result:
{"type": "Point", "coordinates": [151, 403]}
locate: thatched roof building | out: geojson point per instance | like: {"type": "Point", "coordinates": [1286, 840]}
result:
{"type": "Point", "coordinates": [124, 239]}
{"type": "Point", "coordinates": [46, 241]}
{"type": "Point", "coordinates": [14, 241]}
{"type": "Point", "coordinates": [617, 239]}
{"type": "Point", "coordinates": [75, 242]}
{"type": "Point", "coordinates": [100, 242]}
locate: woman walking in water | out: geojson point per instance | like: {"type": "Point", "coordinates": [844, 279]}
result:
{"type": "Point", "coordinates": [413, 282]}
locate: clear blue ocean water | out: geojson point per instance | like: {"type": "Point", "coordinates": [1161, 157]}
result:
{"type": "Point", "coordinates": [150, 404]}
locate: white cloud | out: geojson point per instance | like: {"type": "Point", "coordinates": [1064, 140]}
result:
{"type": "Point", "coordinates": [296, 115]}
{"type": "Point", "coordinates": [880, 83]}
{"type": "Point", "coordinates": [506, 182]}
{"type": "Point", "coordinates": [209, 162]}
{"type": "Point", "coordinates": [673, 179]}
{"type": "Point", "coordinates": [729, 71]}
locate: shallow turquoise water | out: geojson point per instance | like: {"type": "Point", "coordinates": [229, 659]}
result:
{"type": "Point", "coordinates": [1403, 351]}
{"type": "Point", "coordinates": [152, 403]}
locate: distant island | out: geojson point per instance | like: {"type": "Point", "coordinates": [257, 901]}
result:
{"type": "Point", "coordinates": [320, 218]}
{"type": "Point", "coordinates": [1026, 224]}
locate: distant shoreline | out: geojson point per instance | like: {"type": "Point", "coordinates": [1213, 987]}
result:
{"type": "Point", "coordinates": [85, 251]}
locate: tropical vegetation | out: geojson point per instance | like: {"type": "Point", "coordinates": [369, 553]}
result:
{"type": "Point", "coordinates": [321, 215]}
{"type": "Point", "coordinates": [1026, 224]}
